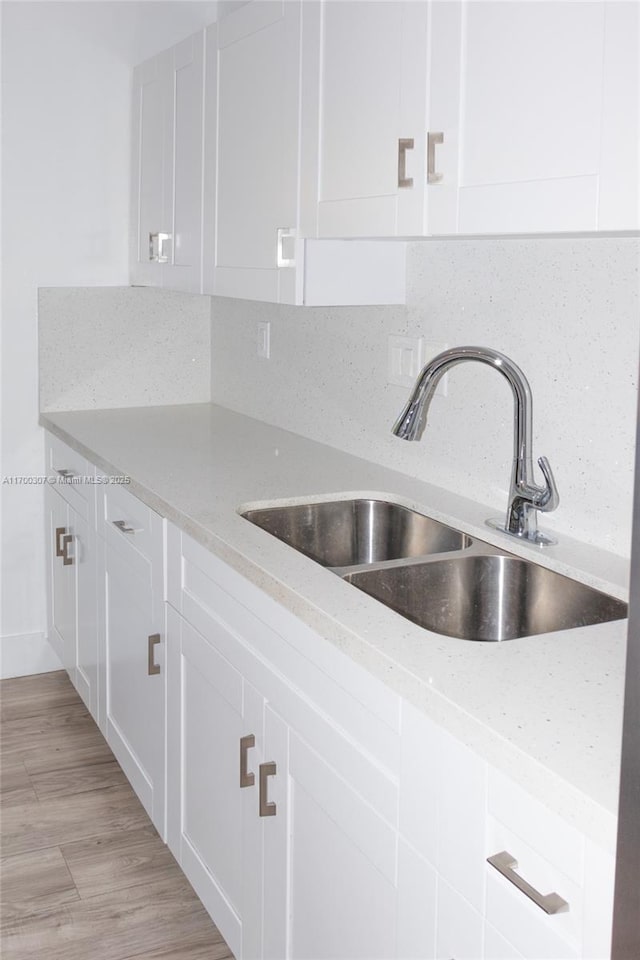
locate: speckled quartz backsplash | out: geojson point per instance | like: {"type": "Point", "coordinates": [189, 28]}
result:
{"type": "Point", "coordinates": [110, 347]}
{"type": "Point", "coordinates": [566, 310]}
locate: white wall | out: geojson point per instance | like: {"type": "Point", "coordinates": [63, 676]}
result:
{"type": "Point", "coordinates": [566, 310]}
{"type": "Point", "coordinates": [66, 71]}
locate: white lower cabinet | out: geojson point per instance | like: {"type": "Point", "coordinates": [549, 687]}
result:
{"type": "Point", "coordinates": [330, 862]}
{"type": "Point", "coordinates": [254, 810]}
{"type": "Point", "coordinates": [131, 643]}
{"type": "Point", "coordinates": [71, 567]}
{"type": "Point", "coordinates": [300, 863]}
{"type": "Point", "coordinates": [456, 811]}
{"type": "Point", "coordinates": [215, 746]}
{"type": "Point", "coordinates": [61, 581]}
{"type": "Point", "coordinates": [316, 814]}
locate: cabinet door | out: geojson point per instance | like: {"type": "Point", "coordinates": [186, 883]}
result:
{"type": "Point", "coordinates": [149, 196]}
{"type": "Point", "coordinates": [364, 85]}
{"type": "Point", "coordinates": [516, 91]}
{"type": "Point", "coordinates": [166, 207]}
{"type": "Point", "coordinates": [83, 555]}
{"type": "Point", "coordinates": [329, 860]}
{"type": "Point", "coordinates": [258, 51]}
{"type": "Point", "coordinates": [213, 827]}
{"type": "Point", "coordinates": [61, 581]}
{"type": "Point", "coordinates": [184, 166]}
{"type": "Point", "coordinates": [134, 673]}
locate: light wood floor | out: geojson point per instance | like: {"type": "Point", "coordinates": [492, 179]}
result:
{"type": "Point", "coordinates": [83, 874]}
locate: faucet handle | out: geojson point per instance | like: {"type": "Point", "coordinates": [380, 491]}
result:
{"type": "Point", "coordinates": [549, 497]}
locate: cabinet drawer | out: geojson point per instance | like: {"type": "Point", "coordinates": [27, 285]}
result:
{"type": "Point", "coordinates": [73, 475]}
{"type": "Point", "coordinates": [550, 856]}
{"type": "Point", "coordinates": [131, 528]}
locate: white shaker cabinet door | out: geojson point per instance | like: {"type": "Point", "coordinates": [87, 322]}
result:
{"type": "Point", "coordinates": [215, 745]}
{"type": "Point", "coordinates": [166, 202]}
{"type": "Point", "coordinates": [132, 650]}
{"type": "Point", "coordinates": [329, 860]}
{"type": "Point", "coordinates": [184, 166]}
{"type": "Point", "coordinates": [516, 90]}
{"type": "Point", "coordinates": [257, 93]}
{"type": "Point", "coordinates": [619, 197]}
{"type": "Point", "coordinates": [150, 210]}
{"type": "Point", "coordinates": [71, 567]}
{"type": "Point", "coordinates": [61, 581]}
{"type": "Point", "coordinates": [364, 90]}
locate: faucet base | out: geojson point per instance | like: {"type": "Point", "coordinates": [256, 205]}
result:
{"type": "Point", "coordinates": [539, 538]}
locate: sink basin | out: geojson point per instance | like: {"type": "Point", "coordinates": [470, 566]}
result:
{"type": "Point", "coordinates": [341, 533]}
{"type": "Point", "coordinates": [487, 597]}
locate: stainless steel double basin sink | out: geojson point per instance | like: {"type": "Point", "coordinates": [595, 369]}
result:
{"type": "Point", "coordinates": [434, 575]}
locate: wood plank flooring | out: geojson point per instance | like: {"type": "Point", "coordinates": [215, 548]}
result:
{"type": "Point", "coordinates": [83, 873]}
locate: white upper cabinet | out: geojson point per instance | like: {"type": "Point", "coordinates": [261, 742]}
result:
{"type": "Point", "coordinates": [257, 49]}
{"type": "Point", "coordinates": [537, 105]}
{"type": "Point", "coordinates": [265, 145]}
{"type": "Point", "coordinates": [166, 204]}
{"type": "Point", "coordinates": [363, 112]}
{"type": "Point", "coordinates": [439, 117]}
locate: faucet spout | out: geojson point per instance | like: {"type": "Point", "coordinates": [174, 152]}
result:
{"type": "Point", "coordinates": [525, 496]}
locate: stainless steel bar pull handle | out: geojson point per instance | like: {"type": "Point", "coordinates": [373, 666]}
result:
{"type": "Point", "coordinates": [505, 864]}
{"type": "Point", "coordinates": [267, 809]}
{"type": "Point", "coordinates": [433, 139]}
{"type": "Point", "coordinates": [246, 743]}
{"type": "Point", "coordinates": [153, 667]}
{"type": "Point", "coordinates": [60, 532]}
{"type": "Point", "coordinates": [123, 528]}
{"type": "Point", "coordinates": [67, 561]}
{"type": "Point", "coordinates": [67, 474]}
{"type": "Point", "coordinates": [404, 145]}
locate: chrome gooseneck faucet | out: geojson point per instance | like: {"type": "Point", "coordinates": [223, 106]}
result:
{"type": "Point", "coordinates": [525, 496]}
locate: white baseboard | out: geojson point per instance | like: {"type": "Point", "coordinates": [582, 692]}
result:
{"type": "Point", "coordinates": [24, 654]}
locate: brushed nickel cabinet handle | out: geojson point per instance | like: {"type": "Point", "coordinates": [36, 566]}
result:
{"type": "Point", "coordinates": [60, 532]}
{"type": "Point", "coordinates": [404, 145]}
{"type": "Point", "coordinates": [67, 474]}
{"type": "Point", "coordinates": [67, 561]}
{"type": "Point", "coordinates": [505, 864]}
{"type": "Point", "coordinates": [433, 139]}
{"type": "Point", "coordinates": [154, 668]}
{"type": "Point", "coordinates": [267, 809]}
{"type": "Point", "coordinates": [123, 528]}
{"type": "Point", "coordinates": [246, 743]}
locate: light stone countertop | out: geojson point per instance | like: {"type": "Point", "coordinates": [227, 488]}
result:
{"type": "Point", "coordinates": [547, 711]}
